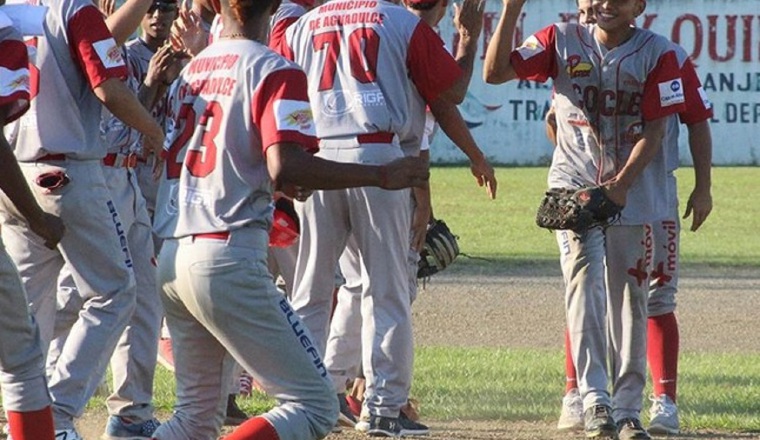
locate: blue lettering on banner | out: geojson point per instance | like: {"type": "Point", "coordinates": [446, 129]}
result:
{"type": "Point", "coordinates": [303, 337]}
{"type": "Point", "coordinates": [120, 232]}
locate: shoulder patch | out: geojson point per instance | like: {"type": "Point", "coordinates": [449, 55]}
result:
{"type": "Point", "coordinates": [530, 48]}
{"type": "Point", "coordinates": [109, 53]}
{"type": "Point", "coordinates": [671, 92]}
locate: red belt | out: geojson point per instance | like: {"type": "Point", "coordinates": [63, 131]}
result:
{"type": "Point", "coordinates": [381, 137]}
{"type": "Point", "coordinates": [48, 157]}
{"type": "Point", "coordinates": [120, 160]}
{"type": "Point", "coordinates": [222, 235]}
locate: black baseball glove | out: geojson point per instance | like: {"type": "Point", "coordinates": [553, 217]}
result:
{"type": "Point", "coordinates": [440, 250]}
{"type": "Point", "coordinates": [577, 209]}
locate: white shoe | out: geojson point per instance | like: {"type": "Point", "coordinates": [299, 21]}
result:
{"type": "Point", "coordinates": [571, 417]}
{"type": "Point", "coordinates": [67, 434]}
{"type": "Point", "coordinates": [663, 416]}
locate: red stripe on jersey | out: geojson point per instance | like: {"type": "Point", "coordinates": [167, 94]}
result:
{"type": "Point", "coordinates": [666, 70]}
{"type": "Point", "coordinates": [287, 84]}
{"type": "Point", "coordinates": [431, 67]}
{"type": "Point", "coordinates": [695, 111]}
{"type": "Point", "coordinates": [84, 29]}
{"type": "Point", "coordinates": [540, 66]}
{"type": "Point", "coordinates": [277, 34]}
{"type": "Point", "coordinates": [16, 97]}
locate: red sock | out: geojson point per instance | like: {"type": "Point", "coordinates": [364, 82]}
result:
{"type": "Point", "coordinates": [257, 428]}
{"type": "Point", "coordinates": [662, 353]}
{"type": "Point", "coordinates": [571, 376]}
{"type": "Point", "coordinates": [31, 425]}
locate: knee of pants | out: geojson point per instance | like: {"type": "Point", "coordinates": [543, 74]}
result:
{"type": "Point", "coordinates": [324, 417]}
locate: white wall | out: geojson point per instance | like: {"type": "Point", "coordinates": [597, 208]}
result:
{"type": "Point", "coordinates": [722, 36]}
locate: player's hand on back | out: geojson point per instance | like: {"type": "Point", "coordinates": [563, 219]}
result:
{"type": "Point", "coordinates": [468, 18]}
{"type": "Point", "coordinates": [485, 175]}
{"type": "Point", "coordinates": [698, 207]}
{"type": "Point", "coordinates": [404, 173]}
{"type": "Point", "coordinates": [49, 227]}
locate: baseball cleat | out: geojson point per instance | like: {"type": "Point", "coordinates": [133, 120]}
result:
{"type": "Point", "coordinates": [346, 418]}
{"type": "Point", "coordinates": [411, 428]}
{"type": "Point", "coordinates": [598, 422]}
{"type": "Point", "coordinates": [118, 428]}
{"type": "Point", "coordinates": [631, 429]}
{"type": "Point", "coordinates": [234, 416]}
{"type": "Point", "coordinates": [571, 417]}
{"type": "Point", "coordinates": [380, 426]}
{"type": "Point", "coordinates": [663, 416]}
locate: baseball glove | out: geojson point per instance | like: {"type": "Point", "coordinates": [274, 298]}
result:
{"type": "Point", "coordinates": [440, 250]}
{"type": "Point", "coordinates": [577, 209]}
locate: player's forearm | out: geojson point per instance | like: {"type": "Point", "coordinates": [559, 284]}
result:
{"type": "Point", "coordinates": [422, 194]}
{"type": "Point", "coordinates": [700, 145]}
{"type": "Point", "coordinates": [14, 185]}
{"type": "Point", "coordinates": [288, 164]}
{"type": "Point", "coordinates": [643, 152]}
{"type": "Point", "coordinates": [126, 19]}
{"type": "Point", "coordinates": [450, 120]}
{"type": "Point", "coordinates": [497, 67]}
{"type": "Point", "coordinates": [123, 104]}
{"type": "Point", "coordinates": [466, 51]}
{"type": "Point", "coordinates": [551, 126]}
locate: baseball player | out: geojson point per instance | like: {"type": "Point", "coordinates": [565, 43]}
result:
{"type": "Point", "coordinates": [662, 333]}
{"type": "Point", "coordinates": [78, 66]}
{"type": "Point", "coordinates": [365, 58]}
{"type": "Point", "coordinates": [343, 351]}
{"type": "Point", "coordinates": [25, 397]}
{"type": "Point", "coordinates": [612, 101]}
{"type": "Point", "coordinates": [240, 120]}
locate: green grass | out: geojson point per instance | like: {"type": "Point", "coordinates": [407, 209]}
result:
{"type": "Point", "coordinates": [717, 391]}
{"type": "Point", "coordinates": [504, 229]}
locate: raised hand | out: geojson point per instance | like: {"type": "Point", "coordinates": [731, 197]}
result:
{"type": "Point", "coordinates": [468, 18]}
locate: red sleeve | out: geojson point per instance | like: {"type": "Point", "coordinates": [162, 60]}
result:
{"type": "Point", "coordinates": [93, 46]}
{"type": "Point", "coordinates": [536, 59]}
{"type": "Point", "coordinates": [663, 89]}
{"type": "Point", "coordinates": [432, 68]}
{"type": "Point", "coordinates": [277, 34]}
{"type": "Point", "coordinates": [698, 107]}
{"type": "Point", "coordinates": [14, 79]}
{"type": "Point", "coordinates": [280, 109]}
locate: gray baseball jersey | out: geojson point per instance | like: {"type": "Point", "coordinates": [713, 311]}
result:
{"type": "Point", "coordinates": [608, 97]}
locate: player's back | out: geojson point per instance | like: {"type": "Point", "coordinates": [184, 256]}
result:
{"type": "Point", "coordinates": [356, 54]}
{"type": "Point", "coordinates": [215, 176]}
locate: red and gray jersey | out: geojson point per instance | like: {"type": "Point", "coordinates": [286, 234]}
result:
{"type": "Point", "coordinates": [698, 108]}
{"type": "Point", "coordinates": [117, 136]}
{"type": "Point", "coordinates": [14, 71]}
{"type": "Point", "coordinates": [288, 13]}
{"type": "Point", "coordinates": [76, 54]}
{"type": "Point", "coordinates": [604, 98]}
{"type": "Point", "coordinates": [362, 58]}
{"type": "Point", "coordinates": [231, 102]}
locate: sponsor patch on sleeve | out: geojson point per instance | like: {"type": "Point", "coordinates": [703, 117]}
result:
{"type": "Point", "coordinates": [109, 53]}
{"type": "Point", "coordinates": [12, 81]}
{"type": "Point", "coordinates": [292, 115]}
{"type": "Point", "coordinates": [530, 48]}
{"type": "Point", "coordinates": [671, 92]}
{"type": "Point", "coordinates": [705, 100]}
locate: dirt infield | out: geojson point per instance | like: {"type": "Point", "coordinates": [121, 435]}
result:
{"type": "Point", "coordinates": [717, 311]}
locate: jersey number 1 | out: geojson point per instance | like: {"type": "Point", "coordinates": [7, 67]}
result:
{"type": "Point", "coordinates": [200, 161]}
{"type": "Point", "coordinates": [363, 49]}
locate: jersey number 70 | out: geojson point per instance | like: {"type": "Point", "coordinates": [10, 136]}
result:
{"type": "Point", "coordinates": [363, 49]}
